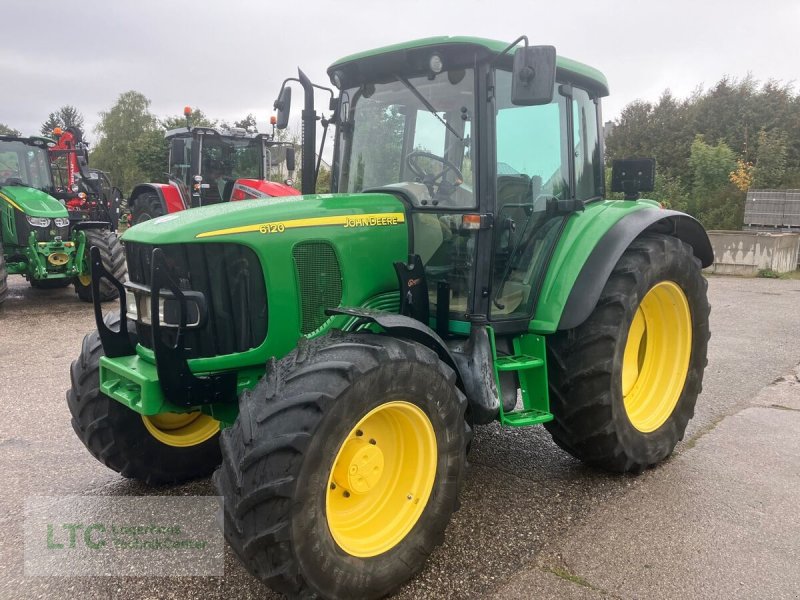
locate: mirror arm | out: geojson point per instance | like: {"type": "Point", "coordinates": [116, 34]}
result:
{"type": "Point", "coordinates": [511, 46]}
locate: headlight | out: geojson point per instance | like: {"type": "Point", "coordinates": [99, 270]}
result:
{"type": "Point", "coordinates": [130, 302]}
{"type": "Point", "coordinates": [138, 309]}
{"type": "Point", "coordinates": [61, 221]}
{"type": "Point", "coordinates": [75, 188]}
{"type": "Point", "coordinates": [38, 221]}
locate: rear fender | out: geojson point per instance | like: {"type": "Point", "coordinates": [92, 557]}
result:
{"type": "Point", "coordinates": [168, 195]}
{"type": "Point", "coordinates": [590, 247]}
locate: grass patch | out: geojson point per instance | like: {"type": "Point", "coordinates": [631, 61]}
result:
{"type": "Point", "coordinates": [576, 579]}
{"type": "Point", "coordinates": [768, 274]}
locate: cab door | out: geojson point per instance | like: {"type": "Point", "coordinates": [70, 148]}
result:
{"type": "Point", "coordinates": [537, 189]}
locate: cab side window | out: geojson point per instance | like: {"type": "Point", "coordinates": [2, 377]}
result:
{"type": "Point", "coordinates": [586, 146]}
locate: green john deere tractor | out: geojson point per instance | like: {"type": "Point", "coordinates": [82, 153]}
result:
{"type": "Point", "coordinates": [333, 353]}
{"type": "Point", "coordinates": [37, 238]}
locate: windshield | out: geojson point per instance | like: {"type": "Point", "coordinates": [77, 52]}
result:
{"type": "Point", "coordinates": [235, 159]}
{"type": "Point", "coordinates": [413, 132]}
{"type": "Point", "coordinates": [23, 164]}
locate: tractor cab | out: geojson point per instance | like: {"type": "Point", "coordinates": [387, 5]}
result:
{"type": "Point", "coordinates": [224, 165]}
{"type": "Point", "coordinates": [209, 165]}
{"type": "Point", "coordinates": [491, 148]}
{"type": "Point", "coordinates": [24, 162]}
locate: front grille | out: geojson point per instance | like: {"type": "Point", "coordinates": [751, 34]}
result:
{"type": "Point", "coordinates": [231, 279]}
{"type": "Point", "coordinates": [42, 234]}
{"type": "Point", "coordinates": [320, 281]}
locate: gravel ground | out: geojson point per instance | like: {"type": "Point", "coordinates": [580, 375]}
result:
{"type": "Point", "coordinates": [522, 493]}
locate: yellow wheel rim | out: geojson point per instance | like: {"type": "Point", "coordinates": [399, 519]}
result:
{"type": "Point", "coordinates": [381, 479]}
{"type": "Point", "coordinates": [656, 358]}
{"type": "Point", "coordinates": [85, 279]}
{"type": "Point", "coordinates": [181, 429]}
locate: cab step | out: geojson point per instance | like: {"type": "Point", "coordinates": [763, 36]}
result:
{"type": "Point", "coordinates": [525, 417]}
{"type": "Point", "coordinates": [518, 362]}
{"type": "Point", "coordinates": [529, 360]}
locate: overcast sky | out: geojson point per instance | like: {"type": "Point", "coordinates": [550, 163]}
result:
{"type": "Point", "coordinates": [229, 57]}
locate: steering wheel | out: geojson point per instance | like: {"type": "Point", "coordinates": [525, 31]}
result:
{"type": "Point", "coordinates": [444, 187]}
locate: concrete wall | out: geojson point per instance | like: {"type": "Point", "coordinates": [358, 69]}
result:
{"type": "Point", "coordinates": [747, 252]}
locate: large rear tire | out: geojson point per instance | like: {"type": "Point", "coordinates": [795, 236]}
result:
{"type": "Point", "coordinates": [169, 448]}
{"type": "Point", "coordinates": [3, 276]}
{"type": "Point", "coordinates": [623, 384]}
{"type": "Point", "coordinates": [344, 466]}
{"type": "Point", "coordinates": [113, 257]}
{"type": "Point", "coordinates": [145, 207]}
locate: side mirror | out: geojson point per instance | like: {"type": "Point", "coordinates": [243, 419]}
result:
{"type": "Point", "coordinates": [633, 175]}
{"type": "Point", "coordinates": [290, 159]}
{"type": "Point", "coordinates": [177, 152]}
{"type": "Point", "coordinates": [534, 75]}
{"type": "Point", "coordinates": [283, 105]}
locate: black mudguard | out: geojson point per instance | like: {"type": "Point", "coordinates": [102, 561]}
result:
{"type": "Point", "coordinates": [471, 359]}
{"type": "Point", "coordinates": [595, 272]}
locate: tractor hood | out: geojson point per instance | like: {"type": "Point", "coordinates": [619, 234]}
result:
{"type": "Point", "coordinates": [255, 219]}
{"type": "Point", "coordinates": [32, 202]}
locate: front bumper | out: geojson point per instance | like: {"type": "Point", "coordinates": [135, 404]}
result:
{"type": "Point", "coordinates": [55, 259]}
{"type": "Point", "coordinates": [133, 381]}
{"type": "Point", "coordinates": [166, 384]}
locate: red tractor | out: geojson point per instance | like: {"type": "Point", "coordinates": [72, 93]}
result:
{"type": "Point", "coordinates": [87, 193]}
{"type": "Point", "coordinates": [208, 166]}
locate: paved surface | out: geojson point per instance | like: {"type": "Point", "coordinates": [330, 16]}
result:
{"type": "Point", "coordinates": [717, 520]}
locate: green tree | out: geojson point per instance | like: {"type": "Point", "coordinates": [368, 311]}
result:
{"type": "Point", "coordinates": [731, 111]}
{"type": "Point", "coordinates": [323, 180]}
{"type": "Point", "coordinates": [66, 116]}
{"type": "Point", "coordinates": [770, 167]}
{"type": "Point", "coordinates": [123, 132]}
{"type": "Point", "coordinates": [710, 166]}
{"type": "Point", "coordinates": [247, 122]}
{"type": "Point", "coordinates": [6, 130]}
{"type": "Point", "coordinates": [714, 200]}
{"type": "Point", "coordinates": [198, 119]}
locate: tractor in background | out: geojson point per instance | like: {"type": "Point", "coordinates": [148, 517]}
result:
{"type": "Point", "coordinates": [328, 358]}
{"type": "Point", "coordinates": [208, 166]}
{"type": "Point", "coordinates": [87, 193]}
{"type": "Point", "coordinates": [38, 238]}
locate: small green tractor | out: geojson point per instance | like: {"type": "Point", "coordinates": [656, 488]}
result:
{"type": "Point", "coordinates": [38, 239]}
{"type": "Point", "coordinates": [327, 357]}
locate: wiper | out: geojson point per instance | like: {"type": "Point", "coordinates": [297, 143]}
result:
{"type": "Point", "coordinates": [427, 104]}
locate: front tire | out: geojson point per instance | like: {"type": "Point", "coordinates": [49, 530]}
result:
{"type": "Point", "coordinates": [344, 466]}
{"type": "Point", "coordinates": [113, 257]}
{"type": "Point", "coordinates": [145, 207]}
{"type": "Point", "coordinates": [623, 384]}
{"type": "Point", "coordinates": [168, 448]}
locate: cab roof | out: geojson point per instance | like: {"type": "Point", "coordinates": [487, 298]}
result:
{"type": "Point", "coordinates": [570, 68]}
{"type": "Point", "coordinates": [31, 141]}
